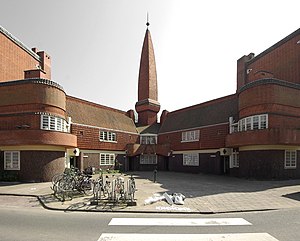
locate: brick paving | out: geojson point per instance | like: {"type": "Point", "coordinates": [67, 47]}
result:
{"type": "Point", "coordinates": [204, 194]}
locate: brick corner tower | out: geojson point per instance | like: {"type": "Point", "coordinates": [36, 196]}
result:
{"type": "Point", "coordinates": [147, 106]}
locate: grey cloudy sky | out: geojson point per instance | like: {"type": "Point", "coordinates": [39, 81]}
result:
{"type": "Point", "coordinates": [95, 45]}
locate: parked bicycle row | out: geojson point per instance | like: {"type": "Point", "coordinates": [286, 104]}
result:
{"type": "Point", "coordinates": [112, 188]}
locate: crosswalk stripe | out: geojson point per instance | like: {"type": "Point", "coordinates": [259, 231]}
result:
{"type": "Point", "coordinates": [178, 221]}
{"type": "Point", "coordinates": [186, 237]}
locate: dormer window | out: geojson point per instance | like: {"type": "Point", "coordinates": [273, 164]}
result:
{"type": "Point", "coordinates": [189, 136]}
{"type": "Point", "coordinates": [148, 139]}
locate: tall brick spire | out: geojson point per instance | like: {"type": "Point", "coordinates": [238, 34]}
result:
{"type": "Point", "coordinates": [147, 106]}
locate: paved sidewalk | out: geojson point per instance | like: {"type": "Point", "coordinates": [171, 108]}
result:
{"type": "Point", "coordinates": [204, 194]}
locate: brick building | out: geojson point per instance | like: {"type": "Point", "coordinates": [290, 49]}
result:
{"type": "Point", "coordinates": [254, 132]}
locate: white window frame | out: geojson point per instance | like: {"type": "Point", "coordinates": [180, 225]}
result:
{"type": "Point", "coordinates": [148, 159]}
{"type": "Point", "coordinates": [234, 158]}
{"type": "Point", "coordinates": [148, 139]}
{"type": "Point", "coordinates": [190, 159]}
{"type": "Point", "coordinates": [250, 123]}
{"type": "Point", "coordinates": [190, 136]}
{"type": "Point", "coordinates": [290, 159]}
{"type": "Point", "coordinates": [53, 123]}
{"type": "Point", "coordinates": [107, 159]}
{"type": "Point", "coordinates": [107, 136]}
{"type": "Point", "coordinates": [9, 162]}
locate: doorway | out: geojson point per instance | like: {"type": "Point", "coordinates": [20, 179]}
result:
{"type": "Point", "coordinates": [73, 161]}
{"type": "Point", "coordinates": [225, 165]}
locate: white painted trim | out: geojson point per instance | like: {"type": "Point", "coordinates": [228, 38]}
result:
{"type": "Point", "coordinates": [33, 148]}
{"type": "Point", "coordinates": [186, 237]}
{"type": "Point", "coordinates": [208, 151]}
{"type": "Point", "coordinates": [178, 221]}
{"type": "Point", "coordinates": [268, 147]}
{"type": "Point", "coordinates": [102, 151]}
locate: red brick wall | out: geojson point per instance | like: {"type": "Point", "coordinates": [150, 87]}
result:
{"type": "Point", "coordinates": [38, 166]}
{"type": "Point", "coordinates": [88, 138]}
{"type": "Point", "coordinates": [266, 164]}
{"type": "Point", "coordinates": [282, 62]}
{"type": "Point", "coordinates": [210, 137]}
{"type": "Point", "coordinates": [37, 137]}
{"type": "Point", "coordinates": [274, 136]}
{"type": "Point", "coordinates": [269, 98]}
{"type": "Point", "coordinates": [284, 121]}
{"type": "Point", "coordinates": [41, 165]}
{"type": "Point", "coordinates": [15, 60]}
{"type": "Point", "coordinates": [33, 93]}
{"type": "Point", "coordinates": [13, 122]}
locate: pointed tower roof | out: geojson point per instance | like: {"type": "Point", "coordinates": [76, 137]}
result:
{"type": "Point", "coordinates": [147, 73]}
{"type": "Point", "coordinates": [147, 105]}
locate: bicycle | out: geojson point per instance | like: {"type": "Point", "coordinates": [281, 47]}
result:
{"type": "Point", "coordinates": [131, 188]}
{"type": "Point", "coordinates": [65, 184]}
{"type": "Point", "coordinates": [98, 187]}
{"type": "Point", "coordinates": [119, 189]}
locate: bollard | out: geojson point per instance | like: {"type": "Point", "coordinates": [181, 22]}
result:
{"type": "Point", "coordinates": [154, 175]}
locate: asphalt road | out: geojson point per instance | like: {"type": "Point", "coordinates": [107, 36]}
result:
{"type": "Point", "coordinates": [35, 223]}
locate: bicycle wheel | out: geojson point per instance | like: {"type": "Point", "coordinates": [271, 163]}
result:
{"type": "Point", "coordinates": [56, 178]}
{"type": "Point", "coordinates": [87, 187]}
{"type": "Point", "coordinates": [97, 190]}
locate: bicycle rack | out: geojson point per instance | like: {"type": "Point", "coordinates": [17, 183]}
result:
{"type": "Point", "coordinates": [120, 192]}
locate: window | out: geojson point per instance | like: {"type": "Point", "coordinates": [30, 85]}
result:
{"type": "Point", "coordinates": [248, 123]}
{"type": "Point", "coordinates": [243, 125]}
{"type": "Point", "coordinates": [189, 136]}
{"type": "Point", "coordinates": [263, 122]}
{"type": "Point", "coordinates": [53, 123]}
{"type": "Point", "coordinates": [256, 122]}
{"type": "Point", "coordinates": [290, 160]}
{"type": "Point", "coordinates": [107, 159]}
{"type": "Point", "coordinates": [148, 159]}
{"type": "Point", "coordinates": [191, 159]}
{"type": "Point", "coordinates": [148, 139]}
{"type": "Point", "coordinates": [11, 160]}
{"type": "Point", "coordinates": [234, 158]}
{"type": "Point", "coordinates": [108, 136]}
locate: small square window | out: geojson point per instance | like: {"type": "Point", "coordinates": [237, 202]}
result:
{"type": "Point", "coordinates": [11, 160]}
{"type": "Point", "coordinates": [290, 160]}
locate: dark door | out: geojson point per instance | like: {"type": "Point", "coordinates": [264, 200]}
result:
{"type": "Point", "coordinates": [225, 165]}
{"type": "Point", "coordinates": [73, 161]}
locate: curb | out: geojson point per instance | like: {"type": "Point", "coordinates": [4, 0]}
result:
{"type": "Point", "coordinates": [129, 211]}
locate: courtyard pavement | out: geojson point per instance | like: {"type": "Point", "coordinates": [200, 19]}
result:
{"type": "Point", "coordinates": [204, 194]}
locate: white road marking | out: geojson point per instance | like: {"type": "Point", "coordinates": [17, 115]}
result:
{"type": "Point", "coordinates": [186, 237]}
{"type": "Point", "coordinates": [178, 221]}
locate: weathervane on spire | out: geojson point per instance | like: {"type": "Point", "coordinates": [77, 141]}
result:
{"type": "Point", "coordinates": [147, 20]}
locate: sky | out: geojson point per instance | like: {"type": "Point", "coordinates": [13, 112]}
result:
{"type": "Point", "coordinates": [95, 45]}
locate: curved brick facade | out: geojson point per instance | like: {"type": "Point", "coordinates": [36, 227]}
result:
{"type": "Point", "coordinates": [269, 96]}
{"type": "Point", "coordinates": [38, 165]}
{"type": "Point", "coordinates": [37, 137]}
{"type": "Point", "coordinates": [22, 105]}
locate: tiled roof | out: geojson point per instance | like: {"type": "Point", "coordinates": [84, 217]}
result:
{"type": "Point", "coordinates": [205, 114]}
{"type": "Point", "coordinates": [91, 114]}
{"type": "Point", "coordinates": [150, 129]}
